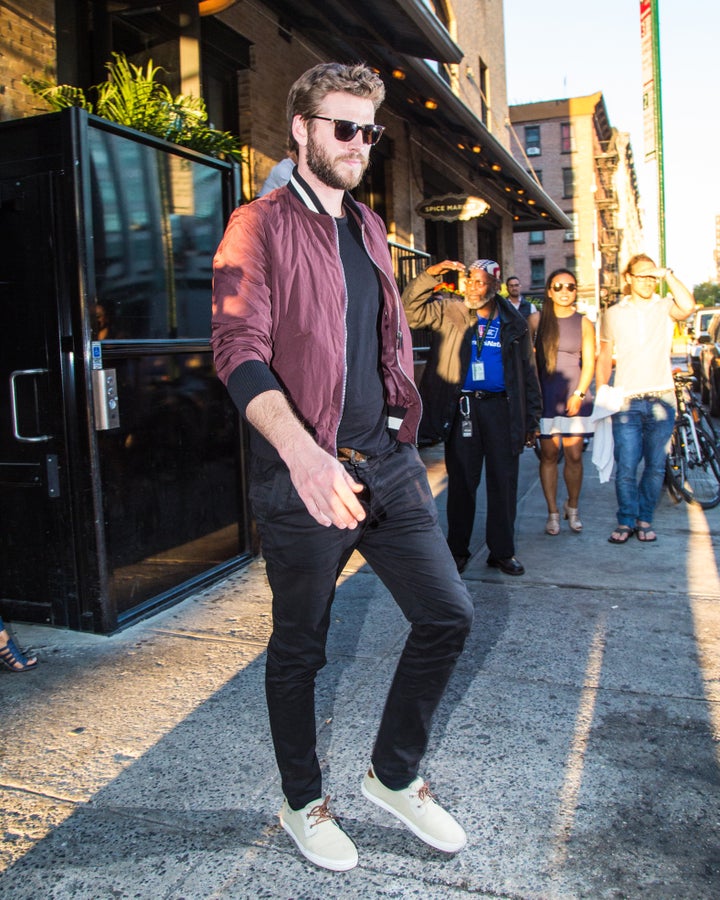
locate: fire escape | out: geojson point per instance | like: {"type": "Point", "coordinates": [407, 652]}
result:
{"type": "Point", "coordinates": [609, 235]}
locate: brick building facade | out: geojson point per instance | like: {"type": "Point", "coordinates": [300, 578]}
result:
{"type": "Point", "coordinates": [587, 166]}
{"type": "Point", "coordinates": [445, 113]}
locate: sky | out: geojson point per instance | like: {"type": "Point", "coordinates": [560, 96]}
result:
{"type": "Point", "coordinates": [561, 48]}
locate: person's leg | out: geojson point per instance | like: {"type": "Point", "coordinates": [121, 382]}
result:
{"type": "Point", "coordinates": [303, 562]}
{"type": "Point", "coordinates": [658, 423]}
{"type": "Point", "coordinates": [627, 439]}
{"type": "Point", "coordinates": [573, 468]}
{"type": "Point", "coordinates": [404, 545]}
{"type": "Point", "coordinates": [501, 478]}
{"type": "Point", "coordinates": [463, 462]}
{"type": "Point", "coordinates": [549, 454]}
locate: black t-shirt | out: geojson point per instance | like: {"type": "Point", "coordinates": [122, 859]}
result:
{"type": "Point", "coordinates": [364, 420]}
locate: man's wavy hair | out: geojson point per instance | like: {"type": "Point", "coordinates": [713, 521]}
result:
{"type": "Point", "coordinates": [311, 88]}
{"type": "Point", "coordinates": [631, 262]}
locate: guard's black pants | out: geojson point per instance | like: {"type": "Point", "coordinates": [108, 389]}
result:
{"type": "Point", "coordinates": [403, 543]}
{"type": "Point", "coordinates": [464, 457]}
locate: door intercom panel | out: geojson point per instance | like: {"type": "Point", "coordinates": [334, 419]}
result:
{"type": "Point", "coordinates": [105, 399]}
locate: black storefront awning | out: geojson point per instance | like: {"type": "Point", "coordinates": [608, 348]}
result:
{"type": "Point", "coordinates": [407, 26]}
{"type": "Point", "coordinates": [532, 209]}
{"type": "Point", "coordinates": [397, 36]}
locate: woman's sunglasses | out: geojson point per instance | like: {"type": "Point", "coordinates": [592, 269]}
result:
{"type": "Point", "coordinates": [345, 131]}
{"type": "Point", "coordinates": [568, 287]}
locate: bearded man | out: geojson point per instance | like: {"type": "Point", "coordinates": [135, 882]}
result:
{"type": "Point", "coordinates": [311, 340]}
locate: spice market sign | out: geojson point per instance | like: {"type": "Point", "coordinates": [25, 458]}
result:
{"type": "Point", "coordinates": [452, 208]}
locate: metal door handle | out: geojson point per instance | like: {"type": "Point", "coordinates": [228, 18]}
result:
{"type": "Point", "coordinates": [18, 373]}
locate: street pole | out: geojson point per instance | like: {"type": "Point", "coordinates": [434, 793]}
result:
{"type": "Point", "coordinates": [658, 120]}
{"type": "Point", "coordinates": [652, 110]}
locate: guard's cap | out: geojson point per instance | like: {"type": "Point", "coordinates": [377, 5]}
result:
{"type": "Point", "coordinates": [489, 265]}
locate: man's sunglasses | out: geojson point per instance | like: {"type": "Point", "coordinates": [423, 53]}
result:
{"type": "Point", "coordinates": [345, 131]}
{"type": "Point", "coordinates": [568, 287]}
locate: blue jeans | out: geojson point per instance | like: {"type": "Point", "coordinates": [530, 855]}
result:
{"type": "Point", "coordinates": [402, 541]}
{"type": "Point", "coordinates": [641, 432]}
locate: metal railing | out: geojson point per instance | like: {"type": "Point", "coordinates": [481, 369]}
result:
{"type": "Point", "coordinates": [407, 263]}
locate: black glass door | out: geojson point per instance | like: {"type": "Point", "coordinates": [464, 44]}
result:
{"type": "Point", "coordinates": [170, 469]}
{"type": "Point", "coordinates": [37, 567]}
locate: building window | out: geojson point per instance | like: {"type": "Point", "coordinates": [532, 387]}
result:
{"type": "Point", "coordinates": [567, 138]}
{"type": "Point", "coordinates": [537, 273]}
{"type": "Point", "coordinates": [568, 182]}
{"type": "Point", "coordinates": [536, 237]}
{"type": "Point", "coordinates": [572, 233]}
{"type": "Point", "coordinates": [535, 174]}
{"type": "Point", "coordinates": [532, 140]}
{"type": "Point", "coordinates": [483, 85]}
{"type": "Point", "coordinates": [439, 9]}
{"type": "Point", "coordinates": [571, 264]}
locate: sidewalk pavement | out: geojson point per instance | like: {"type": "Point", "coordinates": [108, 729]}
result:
{"type": "Point", "coordinates": [577, 742]}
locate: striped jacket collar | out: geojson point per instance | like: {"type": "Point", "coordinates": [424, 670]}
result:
{"type": "Point", "coordinates": [302, 190]}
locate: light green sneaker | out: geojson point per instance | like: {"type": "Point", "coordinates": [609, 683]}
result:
{"type": "Point", "coordinates": [416, 807]}
{"type": "Point", "coordinates": [318, 835]}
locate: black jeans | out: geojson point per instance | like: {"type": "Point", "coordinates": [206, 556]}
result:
{"type": "Point", "coordinates": [403, 543]}
{"type": "Point", "coordinates": [464, 456]}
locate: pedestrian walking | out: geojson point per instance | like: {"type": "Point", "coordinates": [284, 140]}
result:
{"type": "Point", "coordinates": [640, 328]}
{"type": "Point", "coordinates": [310, 338]}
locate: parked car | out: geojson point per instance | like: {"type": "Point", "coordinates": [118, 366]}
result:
{"type": "Point", "coordinates": [698, 325]}
{"type": "Point", "coordinates": [709, 364]}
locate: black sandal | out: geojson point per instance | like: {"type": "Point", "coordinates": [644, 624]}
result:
{"type": "Point", "coordinates": [14, 659]}
{"type": "Point", "coordinates": [625, 533]}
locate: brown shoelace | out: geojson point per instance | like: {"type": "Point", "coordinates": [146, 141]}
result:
{"type": "Point", "coordinates": [321, 812]}
{"type": "Point", "coordinates": [424, 793]}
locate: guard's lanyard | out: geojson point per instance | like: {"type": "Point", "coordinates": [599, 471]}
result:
{"type": "Point", "coordinates": [480, 339]}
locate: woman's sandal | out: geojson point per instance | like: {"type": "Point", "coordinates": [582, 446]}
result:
{"type": "Point", "coordinates": [14, 659]}
{"type": "Point", "coordinates": [623, 532]}
{"type": "Point", "coordinates": [552, 526]}
{"type": "Point", "coordinates": [573, 517]}
{"type": "Point", "coordinates": [642, 530]}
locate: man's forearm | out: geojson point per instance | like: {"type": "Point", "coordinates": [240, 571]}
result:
{"type": "Point", "coordinates": [271, 414]}
{"type": "Point", "coordinates": [684, 300]}
{"type": "Point", "coordinates": [603, 368]}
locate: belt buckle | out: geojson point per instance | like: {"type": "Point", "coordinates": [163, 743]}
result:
{"type": "Point", "coordinates": [354, 457]}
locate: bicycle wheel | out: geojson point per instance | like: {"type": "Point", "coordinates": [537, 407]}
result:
{"type": "Point", "coordinates": [698, 476]}
{"type": "Point", "coordinates": [704, 422]}
{"type": "Point", "coordinates": [675, 468]}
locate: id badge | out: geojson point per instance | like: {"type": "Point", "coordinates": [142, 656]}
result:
{"type": "Point", "coordinates": [478, 371]}
{"type": "Point", "coordinates": [466, 427]}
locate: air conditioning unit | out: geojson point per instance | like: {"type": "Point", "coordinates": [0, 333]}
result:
{"type": "Point", "coordinates": [533, 151]}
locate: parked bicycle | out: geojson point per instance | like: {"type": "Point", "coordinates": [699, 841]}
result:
{"type": "Point", "coordinates": [693, 462]}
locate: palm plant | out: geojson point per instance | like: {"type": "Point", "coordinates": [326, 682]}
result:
{"type": "Point", "coordinates": [134, 97]}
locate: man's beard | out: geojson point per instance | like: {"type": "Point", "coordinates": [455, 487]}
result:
{"type": "Point", "coordinates": [322, 167]}
{"type": "Point", "coordinates": [477, 302]}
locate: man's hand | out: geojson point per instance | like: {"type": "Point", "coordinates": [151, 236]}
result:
{"type": "Point", "coordinates": [325, 487]}
{"type": "Point", "coordinates": [447, 265]}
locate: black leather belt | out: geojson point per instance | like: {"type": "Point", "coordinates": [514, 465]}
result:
{"type": "Point", "coordinates": [484, 395]}
{"type": "Point", "coordinates": [347, 454]}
